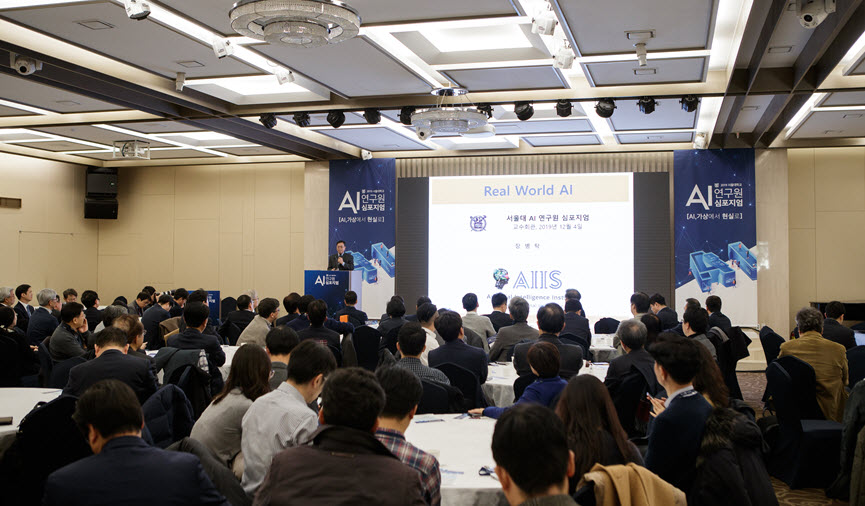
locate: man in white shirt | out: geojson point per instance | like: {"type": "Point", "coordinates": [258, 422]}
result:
{"type": "Point", "coordinates": [281, 419]}
{"type": "Point", "coordinates": [426, 315]}
{"type": "Point", "coordinates": [480, 325]}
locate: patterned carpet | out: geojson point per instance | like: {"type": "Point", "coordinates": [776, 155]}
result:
{"type": "Point", "coordinates": [753, 384]}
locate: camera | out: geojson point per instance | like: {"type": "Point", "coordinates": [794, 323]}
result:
{"type": "Point", "coordinates": [136, 9]}
{"type": "Point", "coordinates": [25, 65]}
{"type": "Point", "coordinates": [366, 155]}
{"type": "Point", "coordinates": [424, 133]}
{"type": "Point", "coordinates": [813, 12]}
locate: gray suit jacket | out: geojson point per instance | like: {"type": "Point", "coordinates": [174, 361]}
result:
{"type": "Point", "coordinates": [480, 325]}
{"type": "Point", "coordinates": [255, 332]}
{"type": "Point", "coordinates": [509, 336]}
{"type": "Point", "coordinates": [65, 343]}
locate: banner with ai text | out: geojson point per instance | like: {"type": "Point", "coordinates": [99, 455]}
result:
{"type": "Point", "coordinates": [716, 230]}
{"type": "Point", "coordinates": [362, 213]}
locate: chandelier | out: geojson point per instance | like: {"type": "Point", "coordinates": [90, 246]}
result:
{"type": "Point", "coordinates": [450, 119]}
{"type": "Point", "coordinates": [296, 23]}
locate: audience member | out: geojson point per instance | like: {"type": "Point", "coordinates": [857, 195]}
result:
{"type": "Point", "coordinates": [253, 297]}
{"type": "Point", "coordinates": [154, 315]}
{"type": "Point", "coordinates": [480, 325]}
{"type": "Point", "coordinates": [690, 303]}
{"type": "Point", "coordinates": [289, 302]}
{"type": "Point", "coordinates": [355, 316]}
{"type": "Point", "coordinates": [90, 299]}
{"type": "Point", "coordinates": [829, 360]}
{"type": "Point", "coordinates": [710, 382]}
{"type": "Point", "coordinates": [195, 316]}
{"type": "Point", "coordinates": [112, 362]}
{"type": "Point", "coordinates": [833, 326]}
{"type": "Point", "coordinates": [594, 433]}
{"type": "Point", "coordinates": [386, 316]}
{"type": "Point", "coordinates": [244, 314]}
{"type": "Point", "coordinates": [124, 468]}
{"type": "Point", "coordinates": [24, 294]}
{"type": "Point", "coordinates": [676, 433]}
{"type": "Point", "coordinates": [402, 392]}
{"type": "Point", "coordinates": [426, 315]}
{"type": "Point", "coordinates": [181, 296]}
{"type": "Point", "coordinates": [574, 294]}
{"type": "Point", "coordinates": [7, 297]}
{"type": "Point", "coordinates": [695, 323]}
{"type": "Point", "coordinates": [653, 328]}
{"type": "Point", "coordinates": [668, 318]}
{"type": "Point", "coordinates": [281, 419]}
{"type": "Point", "coordinates": [716, 317]}
{"type": "Point", "coordinates": [302, 321]}
{"type": "Point", "coordinates": [134, 335]}
{"type": "Point", "coordinates": [551, 320]}
{"type": "Point", "coordinates": [70, 295]}
{"type": "Point", "coordinates": [111, 313]}
{"type": "Point", "coordinates": [280, 341]}
{"type": "Point", "coordinates": [220, 426]}
{"type": "Point", "coordinates": [411, 345]}
{"type": "Point", "coordinates": [544, 361]}
{"type": "Point", "coordinates": [575, 323]}
{"type": "Point", "coordinates": [533, 462]}
{"type": "Point", "coordinates": [317, 314]}
{"type": "Point", "coordinates": [70, 337]}
{"type": "Point", "coordinates": [345, 445]}
{"type": "Point", "coordinates": [511, 335]}
{"type": "Point", "coordinates": [17, 358]}
{"type": "Point", "coordinates": [423, 299]}
{"type": "Point", "coordinates": [141, 302]}
{"type": "Point", "coordinates": [201, 296]}
{"type": "Point", "coordinates": [256, 332]}
{"type": "Point", "coordinates": [42, 322]}
{"type": "Point", "coordinates": [499, 317]}
{"type": "Point", "coordinates": [395, 312]}
{"type": "Point", "coordinates": [639, 304]}
{"type": "Point", "coordinates": [449, 326]}
{"type": "Point", "coordinates": [632, 334]}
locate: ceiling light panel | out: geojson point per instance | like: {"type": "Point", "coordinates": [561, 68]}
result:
{"type": "Point", "coordinates": [450, 40]}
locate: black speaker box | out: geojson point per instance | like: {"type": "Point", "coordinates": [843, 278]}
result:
{"type": "Point", "coordinates": [100, 209]}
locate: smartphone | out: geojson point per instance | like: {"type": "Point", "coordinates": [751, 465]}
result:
{"type": "Point", "coordinates": [476, 415]}
{"type": "Point", "coordinates": [6, 420]}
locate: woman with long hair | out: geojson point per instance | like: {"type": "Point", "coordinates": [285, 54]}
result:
{"type": "Point", "coordinates": [219, 427]}
{"type": "Point", "coordinates": [593, 429]}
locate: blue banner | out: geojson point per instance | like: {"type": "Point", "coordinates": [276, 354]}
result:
{"type": "Point", "coordinates": [363, 214]}
{"type": "Point", "coordinates": [716, 230]}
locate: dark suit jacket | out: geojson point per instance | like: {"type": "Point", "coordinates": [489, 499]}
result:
{"type": "Point", "coordinates": [669, 318]}
{"type": "Point", "coordinates": [241, 318]}
{"type": "Point", "coordinates": [42, 325]}
{"type": "Point", "coordinates": [136, 372]}
{"type": "Point", "coordinates": [302, 322]}
{"type": "Point", "coordinates": [192, 339]}
{"type": "Point", "coordinates": [621, 366]}
{"type": "Point", "coordinates": [130, 472]}
{"type": "Point", "coordinates": [175, 310]}
{"type": "Point", "coordinates": [832, 330]}
{"type": "Point", "coordinates": [500, 319]}
{"type": "Point", "coordinates": [459, 353]}
{"type": "Point", "coordinates": [674, 439]}
{"type": "Point", "coordinates": [285, 320]}
{"type": "Point", "coordinates": [510, 336]}
{"type": "Point", "coordinates": [720, 320]}
{"type": "Point", "coordinates": [320, 334]}
{"type": "Point", "coordinates": [386, 326]}
{"type": "Point", "coordinates": [23, 316]}
{"type": "Point", "coordinates": [94, 317]}
{"type": "Point", "coordinates": [348, 262]}
{"type": "Point", "coordinates": [151, 320]}
{"type": "Point", "coordinates": [571, 356]}
{"type": "Point", "coordinates": [578, 326]}
{"type": "Point", "coordinates": [355, 316]}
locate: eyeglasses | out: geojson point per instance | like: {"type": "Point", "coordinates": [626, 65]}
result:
{"type": "Point", "coordinates": [488, 471]}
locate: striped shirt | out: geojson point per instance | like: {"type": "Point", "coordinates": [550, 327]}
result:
{"type": "Point", "coordinates": [423, 372]}
{"type": "Point", "coordinates": [425, 464]}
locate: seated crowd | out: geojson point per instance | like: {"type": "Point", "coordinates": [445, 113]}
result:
{"type": "Point", "coordinates": [294, 418]}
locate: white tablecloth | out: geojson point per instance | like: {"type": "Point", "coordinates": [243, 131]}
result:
{"type": "Point", "coordinates": [17, 402]}
{"type": "Point", "coordinates": [602, 347]}
{"type": "Point", "coordinates": [462, 447]}
{"type": "Point", "coordinates": [499, 387]}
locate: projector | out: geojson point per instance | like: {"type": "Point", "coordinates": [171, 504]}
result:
{"type": "Point", "coordinates": [132, 149]}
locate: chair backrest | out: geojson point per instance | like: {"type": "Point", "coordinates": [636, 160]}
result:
{"type": "Point", "coordinates": [606, 326]}
{"type": "Point", "coordinates": [434, 399]}
{"type": "Point", "coordinates": [366, 342]}
{"type": "Point", "coordinates": [229, 331]}
{"type": "Point", "coordinates": [771, 343]}
{"type": "Point", "coordinates": [466, 382]}
{"type": "Point", "coordinates": [60, 373]}
{"type": "Point", "coordinates": [337, 354]}
{"type": "Point", "coordinates": [168, 415]}
{"type": "Point", "coordinates": [578, 341]}
{"type": "Point", "coordinates": [473, 338]}
{"type": "Point", "coordinates": [521, 383]}
{"type": "Point", "coordinates": [391, 339]}
{"type": "Point", "coordinates": [793, 387]}
{"type": "Point", "coordinates": [46, 365]}
{"type": "Point", "coordinates": [195, 384]}
{"type": "Point", "coordinates": [628, 400]}
{"type": "Point", "coordinates": [227, 305]}
{"type": "Point", "coordinates": [856, 364]}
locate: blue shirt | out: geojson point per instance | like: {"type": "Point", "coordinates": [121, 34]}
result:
{"type": "Point", "coordinates": [543, 392]}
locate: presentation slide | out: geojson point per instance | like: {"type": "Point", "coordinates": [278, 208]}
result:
{"type": "Point", "coordinates": [534, 237]}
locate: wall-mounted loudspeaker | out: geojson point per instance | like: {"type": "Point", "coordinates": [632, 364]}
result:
{"type": "Point", "coordinates": [100, 209]}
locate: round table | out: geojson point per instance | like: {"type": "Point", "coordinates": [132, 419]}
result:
{"type": "Point", "coordinates": [602, 348]}
{"type": "Point", "coordinates": [462, 446]}
{"type": "Point", "coordinates": [499, 387]}
{"type": "Point", "coordinates": [17, 402]}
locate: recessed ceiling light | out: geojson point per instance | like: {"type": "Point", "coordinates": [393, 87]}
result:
{"type": "Point", "coordinates": [449, 40]}
{"type": "Point", "coordinates": [645, 72]}
{"type": "Point", "coordinates": [832, 132]}
{"type": "Point", "coordinates": [203, 136]}
{"type": "Point", "coordinates": [95, 24]}
{"type": "Point", "coordinates": [654, 137]}
{"type": "Point", "coordinates": [852, 116]}
{"type": "Point", "coordinates": [750, 108]}
{"type": "Point", "coordinates": [67, 102]}
{"type": "Point", "coordinates": [780, 49]}
{"type": "Point", "coordinates": [190, 64]}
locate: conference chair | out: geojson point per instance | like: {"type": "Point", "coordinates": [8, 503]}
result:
{"type": "Point", "coordinates": [576, 340]}
{"type": "Point", "coordinates": [168, 416]}
{"type": "Point", "coordinates": [226, 306]}
{"type": "Point", "coordinates": [771, 343]}
{"type": "Point", "coordinates": [60, 373]}
{"type": "Point", "coordinates": [366, 345]}
{"type": "Point", "coordinates": [521, 383]}
{"type": "Point", "coordinates": [466, 382]}
{"type": "Point", "coordinates": [391, 339]}
{"type": "Point", "coordinates": [606, 326]}
{"type": "Point", "coordinates": [474, 339]}
{"type": "Point", "coordinates": [221, 476]}
{"type": "Point", "coordinates": [434, 399]}
{"type": "Point", "coordinates": [806, 451]}
{"type": "Point", "coordinates": [856, 364]}
{"type": "Point", "coordinates": [337, 354]}
{"type": "Point", "coordinates": [46, 365]}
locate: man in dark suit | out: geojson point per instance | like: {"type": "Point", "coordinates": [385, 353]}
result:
{"type": "Point", "coordinates": [423, 299]}
{"type": "Point", "coordinates": [551, 321]}
{"type": "Point", "coordinates": [575, 323]}
{"type": "Point", "coordinates": [633, 337]}
{"type": "Point", "coordinates": [395, 312]}
{"type": "Point", "coordinates": [302, 320]}
{"type": "Point", "coordinates": [112, 362]}
{"type": "Point", "coordinates": [90, 299]}
{"type": "Point", "coordinates": [509, 336]}
{"type": "Point", "coordinates": [833, 326]}
{"type": "Point", "coordinates": [244, 314]}
{"type": "Point", "coordinates": [658, 305]}
{"type": "Point", "coordinates": [154, 315]}
{"type": "Point", "coordinates": [181, 295]}
{"type": "Point", "coordinates": [677, 430]}
{"type": "Point", "coordinates": [195, 316]}
{"type": "Point", "coordinates": [340, 261]}
{"type": "Point", "coordinates": [124, 469]}
{"type": "Point", "coordinates": [290, 302]}
{"type": "Point", "coordinates": [449, 326]}
{"type": "Point", "coordinates": [317, 313]}
{"type": "Point", "coordinates": [43, 322]}
{"type": "Point", "coordinates": [24, 293]}
{"type": "Point", "coordinates": [139, 305]}
{"type": "Point", "coordinates": [355, 316]}
{"type": "Point", "coordinates": [500, 317]}
{"type": "Point", "coordinates": [716, 317]}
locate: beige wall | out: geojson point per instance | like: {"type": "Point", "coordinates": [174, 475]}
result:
{"type": "Point", "coordinates": [46, 243]}
{"type": "Point", "coordinates": [826, 220]}
{"type": "Point", "coordinates": [771, 177]}
{"type": "Point", "coordinates": [230, 227]}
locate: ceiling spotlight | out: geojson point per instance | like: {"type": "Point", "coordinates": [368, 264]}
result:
{"type": "Point", "coordinates": [296, 23]}
{"type": "Point", "coordinates": [564, 58]}
{"type": "Point", "coordinates": [284, 76]}
{"type": "Point", "coordinates": [222, 48]}
{"type": "Point", "coordinates": [486, 109]}
{"type": "Point", "coordinates": [302, 119]}
{"type": "Point", "coordinates": [605, 107]}
{"type": "Point", "coordinates": [647, 105]}
{"type": "Point", "coordinates": [545, 23]}
{"type": "Point", "coordinates": [336, 118]}
{"type": "Point", "coordinates": [136, 9]}
{"type": "Point", "coordinates": [268, 119]}
{"type": "Point", "coordinates": [180, 81]}
{"type": "Point", "coordinates": [405, 114]}
{"type": "Point", "coordinates": [689, 103]}
{"type": "Point", "coordinates": [563, 108]}
{"type": "Point", "coordinates": [372, 116]}
{"type": "Point", "coordinates": [524, 110]}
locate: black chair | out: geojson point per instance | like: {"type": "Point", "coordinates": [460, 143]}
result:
{"type": "Point", "coordinates": [60, 373]}
{"type": "Point", "coordinates": [806, 451]}
{"type": "Point", "coordinates": [391, 339]}
{"type": "Point", "coordinates": [606, 326]}
{"type": "Point", "coordinates": [521, 383]}
{"type": "Point", "coordinates": [466, 382]}
{"type": "Point", "coordinates": [366, 345]}
{"type": "Point", "coordinates": [226, 306]}
{"type": "Point", "coordinates": [856, 364]}
{"type": "Point", "coordinates": [631, 404]}
{"type": "Point", "coordinates": [46, 365]}
{"type": "Point", "coordinates": [229, 331]}
{"type": "Point", "coordinates": [337, 354]}
{"type": "Point", "coordinates": [576, 340]}
{"type": "Point", "coordinates": [771, 343]}
{"type": "Point", "coordinates": [434, 399]}
{"type": "Point", "coordinates": [474, 339]}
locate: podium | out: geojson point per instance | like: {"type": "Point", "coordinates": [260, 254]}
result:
{"type": "Point", "coordinates": [330, 286]}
